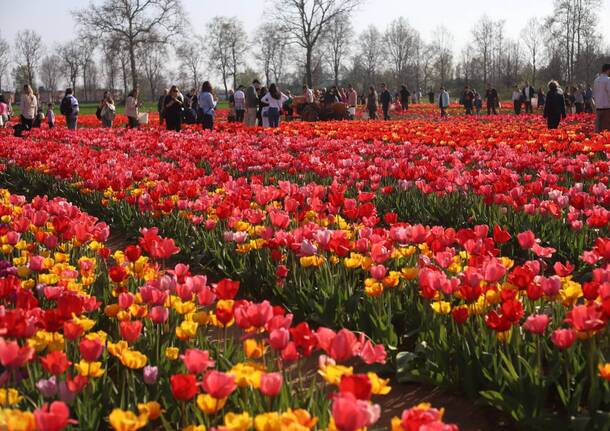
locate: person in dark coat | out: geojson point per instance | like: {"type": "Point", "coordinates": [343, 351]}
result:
{"type": "Point", "coordinates": [555, 105]}
{"type": "Point", "coordinates": [404, 97]}
{"type": "Point", "coordinates": [528, 92]}
{"type": "Point", "coordinates": [491, 95]}
{"type": "Point", "coordinates": [172, 110]}
{"type": "Point", "coordinates": [468, 100]}
{"type": "Point", "coordinates": [385, 98]}
{"type": "Point", "coordinates": [161, 106]}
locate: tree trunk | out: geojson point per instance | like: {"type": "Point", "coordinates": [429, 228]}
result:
{"type": "Point", "coordinates": [336, 74]}
{"type": "Point", "coordinates": [132, 60]}
{"type": "Point", "coordinates": [85, 82]}
{"type": "Point", "coordinates": [308, 74]}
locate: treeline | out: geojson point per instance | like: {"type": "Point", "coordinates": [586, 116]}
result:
{"type": "Point", "coordinates": [123, 44]}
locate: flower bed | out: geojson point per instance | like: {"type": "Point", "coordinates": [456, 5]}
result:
{"type": "Point", "coordinates": [516, 315]}
{"type": "Point", "coordinates": [91, 336]}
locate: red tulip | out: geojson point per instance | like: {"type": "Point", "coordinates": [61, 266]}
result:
{"type": "Point", "coordinates": [54, 417]}
{"type": "Point", "coordinates": [197, 361]}
{"type": "Point", "coordinates": [13, 356]}
{"type": "Point", "coordinates": [90, 349]}
{"type": "Point", "coordinates": [130, 330]}
{"type": "Point", "coordinates": [271, 384]}
{"type": "Point", "coordinates": [227, 289]}
{"type": "Point", "coordinates": [219, 385]}
{"type": "Point", "coordinates": [536, 324]}
{"type": "Point", "coordinates": [357, 384]}
{"type": "Point", "coordinates": [563, 338]}
{"type": "Point", "coordinates": [184, 386]}
{"type": "Point", "coordinates": [55, 362]}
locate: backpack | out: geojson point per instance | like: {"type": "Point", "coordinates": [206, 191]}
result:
{"type": "Point", "coordinates": [98, 113]}
{"type": "Point", "coordinates": [66, 105]}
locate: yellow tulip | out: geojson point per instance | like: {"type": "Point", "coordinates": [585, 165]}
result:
{"type": "Point", "coordinates": [122, 420]}
{"type": "Point", "coordinates": [238, 421]}
{"type": "Point", "coordinates": [9, 396]}
{"type": "Point", "coordinates": [16, 420]}
{"type": "Point", "coordinates": [90, 369]}
{"type": "Point", "coordinates": [133, 359]}
{"type": "Point", "coordinates": [210, 405]}
{"type": "Point", "coordinates": [151, 409]}
{"type": "Point", "coordinates": [268, 422]}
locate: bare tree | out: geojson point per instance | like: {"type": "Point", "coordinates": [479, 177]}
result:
{"type": "Point", "coordinates": [571, 22]}
{"type": "Point", "coordinates": [28, 50]}
{"type": "Point", "coordinates": [272, 51]}
{"type": "Point", "coordinates": [483, 43]}
{"type": "Point", "coordinates": [533, 41]}
{"type": "Point", "coordinates": [134, 23]}
{"type": "Point", "coordinates": [306, 20]}
{"type": "Point", "coordinates": [50, 72]}
{"type": "Point", "coordinates": [238, 46]}
{"type": "Point", "coordinates": [227, 45]}
{"type": "Point", "coordinates": [109, 63]}
{"type": "Point", "coordinates": [336, 43]}
{"type": "Point", "coordinates": [442, 52]}
{"type": "Point", "coordinates": [400, 41]}
{"type": "Point", "coordinates": [5, 58]}
{"type": "Point", "coordinates": [191, 55]}
{"type": "Point", "coordinates": [86, 48]}
{"type": "Point", "coordinates": [70, 62]}
{"type": "Point", "coordinates": [370, 53]}
{"type": "Point", "coordinates": [153, 58]}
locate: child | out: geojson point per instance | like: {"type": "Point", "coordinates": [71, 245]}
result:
{"type": "Point", "coordinates": [50, 116]}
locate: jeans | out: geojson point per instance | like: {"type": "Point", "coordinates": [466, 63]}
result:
{"type": "Point", "coordinates": [239, 115]}
{"type": "Point", "coordinates": [274, 117]}
{"type": "Point", "coordinates": [106, 122]}
{"type": "Point", "coordinates": [208, 122]}
{"type": "Point", "coordinates": [385, 108]}
{"type": "Point", "coordinates": [553, 121]}
{"type": "Point", "coordinates": [71, 122]}
{"type": "Point", "coordinates": [528, 107]}
{"type": "Point", "coordinates": [517, 105]}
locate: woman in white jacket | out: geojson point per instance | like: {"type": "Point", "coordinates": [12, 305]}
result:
{"type": "Point", "coordinates": [275, 98]}
{"type": "Point", "coordinates": [29, 107]}
{"type": "Point", "coordinates": [132, 110]}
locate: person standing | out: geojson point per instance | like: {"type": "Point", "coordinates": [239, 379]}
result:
{"type": "Point", "coordinates": [371, 103]}
{"type": "Point", "coordinates": [404, 97]}
{"type": "Point", "coordinates": [107, 110]}
{"type": "Point", "coordinates": [160, 106]}
{"type": "Point", "coordinates": [275, 99]}
{"type": "Point", "coordinates": [132, 110]}
{"type": "Point", "coordinates": [579, 99]}
{"type": "Point", "coordinates": [4, 114]}
{"type": "Point", "coordinates": [517, 96]}
{"type": "Point", "coordinates": [385, 98]}
{"type": "Point", "coordinates": [263, 108]}
{"type": "Point", "coordinates": [491, 96]}
{"type": "Point", "coordinates": [443, 101]}
{"type": "Point", "coordinates": [252, 103]}
{"type": "Point", "coordinates": [172, 107]}
{"type": "Point", "coordinates": [240, 104]}
{"type": "Point", "coordinates": [207, 104]}
{"type": "Point", "coordinates": [478, 102]}
{"type": "Point", "coordinates": [588, 97]}
{"type": "Point", "coordinates": [352, 101]}
{"type": "Point", "coordinates": [541, 98]}
{"type": "Point", "coordinates": [601, 97]}
{"type": "Point", "coordinates": [431, 95]}
{"type": "Point", "coordinates": [69, 109]}
{"type": "Point", "coordinates": [555, 106]}
{"type": "Point", "coordinates": [528, 92]}
{"type": "Point", "coordinates": [50, 116]}
{"type": "Point", "coordinates": [29, 107]}
{"type": "Point", "coordinates": [468, 100]}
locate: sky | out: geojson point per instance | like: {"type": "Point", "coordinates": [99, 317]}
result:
{"type": "Point", "coordinates": [52, 18]}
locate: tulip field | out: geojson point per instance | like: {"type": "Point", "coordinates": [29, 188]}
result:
{"type": "Point", "coordinates": [292, 278]}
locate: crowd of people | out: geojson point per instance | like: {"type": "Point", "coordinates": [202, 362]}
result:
{"type": "Point", "coordinates": [257, 105]}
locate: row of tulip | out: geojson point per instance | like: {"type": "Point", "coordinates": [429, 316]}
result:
{"type": "Point", "coordinates": [90, 336]}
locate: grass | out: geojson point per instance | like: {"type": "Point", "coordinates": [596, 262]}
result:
{"type": "Point", "coordinates": [89, 108]}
